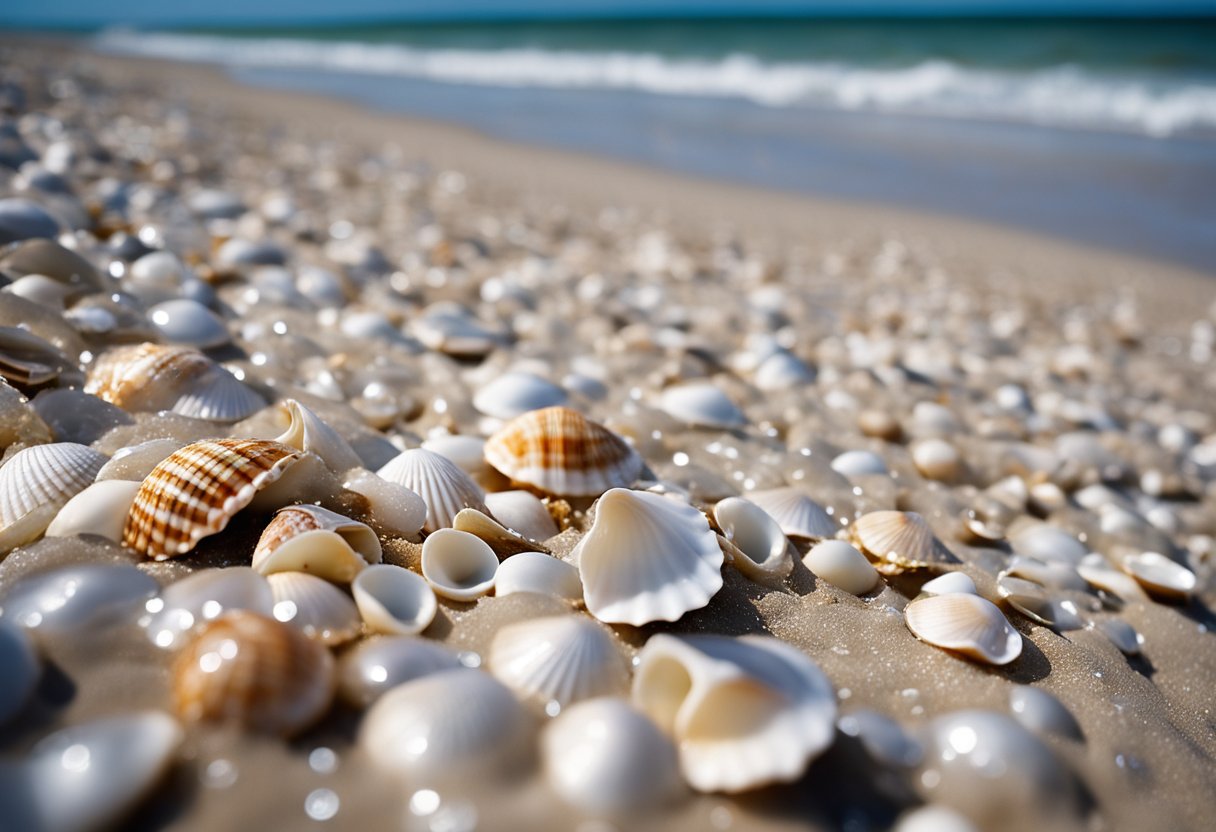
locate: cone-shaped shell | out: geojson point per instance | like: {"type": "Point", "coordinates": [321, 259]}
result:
{"type": "Point", "coordinates": [394, 600]}
{"type": "Point", "coordinates": [966, 624]}
{"type": "Point", "coordinates": [256, 672]}
{"type": "Point", "coordinates": [898, 540]}
{"type": "Point", "coordinates": [743, 712]}
{"type": "Point", "coordinates": [539, 573]}
{"type": "Point", "coordinates": [647, 558]}
{"type": "Point", "coordinates": [559, 451]}
{"type": "Point", "coordinates": [796, 513]}
{"type": "Point", "coordinates": [306, 431]}
{"type": "Point", "coordinates": [196, 490]}
{"type": "Point", "coordinates": [762, 549]}
{"type": "Point", "coordinates": [562, 659]}
{"type": "Point", "coordinates": [45, 475]}
{"type": "Point", "coordinates": [458, 565]}
{"type": "Point", "coordinates": [318, 541]}
{"type": "Point", "coordinates": [441, 483]}
{"type": "Point", "coordinates": [315, 607]}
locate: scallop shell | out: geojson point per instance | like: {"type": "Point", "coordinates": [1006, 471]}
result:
{"type": "Point", "coordinates": [560, 451]}
{"type": "Point", "coordinates": [560, 659]}
{"type": "Point", "coordinates": [392, 508]}
{"type": "Point", "coordinates": [1161, 576]}
{"type": "Point", "coordinates": [318, 541]}
{"type": "Point", "coordinates": [743, 712]}
{"type": "Point", "coordinates": [20, 669]}
{"type": "Point", "coordinates": [196, 490]}
{"type": "Point", "coordinates": [965, 624]}
{"type": "Point", "coordinates": [522, 512]}
{"type": "Point", "coordinates": [796, 513]}
{"type": "Point", "coordinates": [201, 597]}
{"type": "Point", "coordinates": [762, 551]}
{"type": "Point", "coordinates": [372, 668]}
{"type": "Point", "coordinates": [647, 558]}
{"type": "Point", "coordinates": [539, 573]}
{"type": "Point", "coordinates": [898, 540]}
{"type": "Point", "coordinates": [189, 323]}
{"type": "Point", "coordinates": [512, 394]}
{"type": "Point", "coordinates": [841, 565]}
{"type": "Point", "coordinates": [253, 671]}
{"type": "Point", "coordinates": [394, 600]}
{"type": "Point", "coordinates": [441, 483]}
{"type": "Point", "coordinates": [458, 565]}
{"type": "Point", "coordinates": [315, 607]}
{"type": "Point", "coordinates": [502, 540]}
{"type": "Point", "coordinates": [101, 509]}
{"type": "Point", "coordinates": [307, 432]}
{"type": "Point", "coordinates": [701, 404]}
{"type": "Point", "coordinates": [36, 482]}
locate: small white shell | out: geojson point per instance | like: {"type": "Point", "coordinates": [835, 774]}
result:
{"type": "Point", "coordinates": [1047, 542]}
{"type": "Point", "coordinates": [561, 659]}
{"type": "Point", "coordinates": [201, 597]}
{"type": "Point", "coordinates": [313, 539]}
{"type": "Point", "coordinates": [701, 404]}
{"type": "Point", "coordinates": [1160, 575]}
{"type": "Point", "coordinates": [936, 459]}
{"type": "Point", "coordinates": [647, 558]}
{"type": "Point", "coordinates": [764, 548]}
{"type": "Point", "coordinates": [441, 483]}
{"type": "Point", "coordinates": [373, 667]}
{"type": "Point", "coordinates": [966, 624]}
{"type": "Point", "coordinates": [514, 393]}
{"type": "Point", "coordinates": [951, 582]}
{"type": "Point", "coordinates": [394, 600]}
{"type": "Point", "coordinates": [796, 513]}
{"type": "Point", "coordinates": [1098, 572]}
{"type": "Point", "coordinates": [458, 565]}
{"type": "Point", "coordinates": [77, 597]}
{"type": "Point", "coordinates": [315, 607]}
{"type": "Point", "coordinates": [137, 461]}
{"type": "Point", "coordinates": [859, 464]}
{"type": "Point", "coordinates": [539, 573]}
{"type": "Point", "coordinates": [188, 322]}
{"type": "Point", "coordinates": [522, 512]}
{"type": "Point", "coordinates": [306, 431]}
{"type": "Point", "coordinates": [393, 508]}
{"type": "Point", "coordinates": [100, 509]}
{"type": "Point", "coordinates": [158, 269]}
{"type": "Point", "coordinates": [842, 566]}
{"type": "Point", "coordinates": [783, 371]}
{"type": "Point", "coordinates": [45, 475]}
{"type": "Point", "coordinates": [20, 669]}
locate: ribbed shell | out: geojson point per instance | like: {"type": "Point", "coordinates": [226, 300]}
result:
{"type": "Point", "coordinates": [195, 492]}
{"type": "Point", "coordinates": [314, 606]}
{"type": "Point", "coordinates": [45, 475]}
{"type": "Point", "coordinates": [560, 451]}
{"type": "Point", "coordinates": [797, 514]}
{"type": "Point", "coordinates": [898, 540]}
{"type": "Point", "coordinates": [966, 624]}
{"type": "Point", "coordinates": [561, 659]}
{"type": "Point", "coordinates": [443, 486]}
{"type": "Point", "coordinates": [256, 672]}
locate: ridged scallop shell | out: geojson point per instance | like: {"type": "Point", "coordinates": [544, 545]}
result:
{"type": "Point", "coordinates": [318, 541]}
{"type": "Point", "coordinates": [458, 565]}
{"type": "Point", "coordinates": [253, 671]}
{"type": "Point", "coordinates": [522, 512]}
{"type": "Point", "coordinates": [392, 508]}
{"type": "Point", "coordinates": [441, 483]}
{"type": "Point", "coordinates": [201, 597]}
{"type": "Point", "coordinates": [796, 513]}
{"type": "Point", "coordinates": [763, 552]}
{"type": "Point", "coordinates": [559, 451]}
{"type": "Point", "coordinates": [196, 490]}
{"type": "Point", "coordinates": [701, 404]}
{"type": "Point", "coordinates": [306, 431]}
{"type": "Point", "coordinates": [966, 624]}
{"type": "Point", "coordinates": [502, 540]}
{"type": "Point", "coordinates": [560, 659]}
{"type": "Point", "coordinates": [512, 394]}
{"type": "Point", "coordinates": [743, 712]}
{"type": "Point", "coordinates": [373, 667]}
{"type": "Point", "coordinates": [315, 607]}
{"type": "Point", "coordinates": [539, 573]}
{"type": "Point", "coordinates": [898, 540]}
{"type": "Point", "coordinates": [394, 600]}
{"type": "Point", "coordinates": [100, 509]}
{"type": "Point", "coordinates": [45, 477]}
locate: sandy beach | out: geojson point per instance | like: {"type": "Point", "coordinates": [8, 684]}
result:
{"type": "Point", "coordinates": [1048, 409]}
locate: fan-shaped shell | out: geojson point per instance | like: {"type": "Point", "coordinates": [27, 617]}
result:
{"type": "Point", "coordinates": [701, 404]}
{"type": "Point", "coordinates": [966, 624]}
{"type": "Point", "coordinates": [394, 600]}
{"type": "Point", "coordinates": [647, 558]}
{"type": "Point", "coordinates": [441, 483]}
{"type": "Point", "coordinates": [511, 394]}
{"type": "Point", "coordinates": [45, 477]}
{"type": "Point", "coordinates": [201, 597]}
{"type": "Point", "coordinates": [796, 513]}
{"type": "Point", "coordinates": [196, 490]}
{"type": "Point", "coordinates": [306, 431]}
{"type": "Point", "coordinates": [539, 573]}
{"type": "Point", "coordinates": [254, 671]}
{"type": "Point", "coordinates": [763, 549]}
{"type": "Point", "coordinates": [559, 451]}
{"type": "Point", "coordinates": [375, 666]}
{"type": "Point", "coordinates": [318, 541]}
{"type": "Point", "coordinates": [897, 540]}
{"type": "Point", "coordinates": [742, 711]}
{"type": "Point", "coordinates": [562, 659]}
{"type": "Point", "coordinates": [100, 509]}
{"type": "Point", "coordinates": [458, 565]}
{"type": "Point", "coordinates": [522, 512]}
{"type": "Point", "coordinates": [314, 606]}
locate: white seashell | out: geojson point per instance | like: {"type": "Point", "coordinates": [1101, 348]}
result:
{"type": "Point", "coordinates": [159, 270]}
{"type": "Point", "coordinates": [1098, 572]}
{"type": "Point", "coordinates": [951, 582]}
{"type": "Point", "coordinates": [859, 464]}
{"type": "Point", "coordinates": [1052, 574]}
{"type": "Point", "coordinates": [77, 597]}
{"type": "Point", "coordinates": [373, 667]}
{"type": "Point", "coordinates": [796, 513]}
{"type": "Point", "coordinates": [1122, 635]}
{"type": "Point", "coordinates": [393, 508]}
{"type": "Point", "coordinates": [539, 573]}
{"type": "Point", "coordinates": [40, 289]}
{"type": "Point", "coordinates": [315, 607]}
{"type": "Point", "coordinates": [316, 540]}
{"type": "Point", "coordinates": [783, 371]}
{"type": "Point", "coordinates": [450, 725]}
{"type": "Point", "coordinates": [522, 512]}
{"type": "Point", "coordinates": [1042, 713]}
{"type": "Point", "coordinates": [841, 565]}
{"type": "Point", "coordinates": [442, 485]}
{"type": "Point", "coordinates": [20, 669]}
{"type": "Point", "coordinates": [201, 597]}
{"type": "Point", "coordinates": [466, 451]}
{"type": "Point", "coordinates": [135, 462]}
{"type": "Point", "coordinates": [933, 419]}
{"type": "Point", "coordinates": [603, 757]}
{"type": "Point", "coordinates": [765, 550]}
{"type": "Point", "coordinates": [743, 712]}
{"type": "Point", "coordinates": [559, 659]}
{"type": "Point", "coordinates": [647, 558]}
{"type": "Point", "coordinates": [898, 540]}
{"type": "Point", "coordinates": [701, 404]}
{"type": "Point", "coordinates": [937, 459]}
{"type": "Point", "coordinates": [394, 600]}
{"type": "Point", "coordinates": [511, 394]}
{"type": "Point", "coordinates": [100, 509]}
{"type": "Point", "coordinates": [458, 565]}
{"type": "Point", "coordinates": [44, 477]}
{"type": "Point", "coordinates": [188, 322]}
{"type": "Point", "coordinates": [1047, 542]}
{"type": "Point", "coordinates": [306, 431]}
{"type": "Point", "coordinates": [502, 540]}
{"type": "Point", "coordinates": [1029, 599]}
{"type": "Point", "coordinates": [966, 624]}
{"type": "Point", "coordinates": [1161, 576]}
{"type": "Point", "coordinates": [934, 819]}
{"type": "Point", "coordinates": [454, 332]}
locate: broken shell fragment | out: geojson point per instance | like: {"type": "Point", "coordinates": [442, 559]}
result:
{"type": "Point", "coordinates": [539, 573]}
{"type": "Point", "coordinates": [559, 659]}
{"type": "Point", "coordinates": [458, 565]}
{"type": "Point", "coordinates": [316, 540]}
{"type": "Point", "coordinates": [966, 624]}
{"type": "Point", "coordinates": [394, 600]}
{"type": "Point", "coordinates": [306, 431]}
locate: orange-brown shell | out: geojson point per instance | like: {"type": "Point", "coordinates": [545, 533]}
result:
{"type": "Point", "coordinates": [253, 671]}
{"type": "Point", "coordinates": [196, 490]}
{"type": "Point", "coordinates": [559, 451]}
{"type": "Point", "coordinates": [145, 376]}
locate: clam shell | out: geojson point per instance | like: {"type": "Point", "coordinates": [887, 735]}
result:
{"type": "Point", "coordinates": [502, 540]}
{"type": "Point", "coordinates": [393, 509]}
{"type": "Point", "coordinates": [201, 597]}
{"type": "Point", "coordinates": [701, 404]}
{"type": "Point", "coordinates": [859, 464]}
{"type": "Point", "coordinates": [442, 485]}
{"type": "Point", "coordinates": [965, 624]}
{"type": "Point", "coordinates": [1098, 572]}
{"type": "Point", "coordinates": [1029, 599]}
{"type": "Point", "coordinates": [559, 659]}
{"type": "Point", "coordinates": [74, 598]}
{"type": "Point", "coordinates": [763, 551]}
{"type": "Point", "coordinates": [949, 583]}
{"type": "Point", "coordinates": [458, 565]}
{"type": "Point", "coordinates": [796, 513]}
{"type": "Point", "coordinates": [522, 512]}
{"type": "Point", "coordinates": [196, 490]}
{"type": "Point", "coordinates": [372, 668]}
{"type": "Point", "coordinates": [45, 475]}
{"type": "Point", "coordinates": [841, 565]}
{"type": "Point", "coordinates": [394, 600]}
{"type": "Point", "coordinates": [1042, 713]}
{"type": "Point", "coordinates": [512, 394]}
{"type": "Point", "coordinates": [318, 541]}
{"type": "Point", "coordinates": [937, 459]}
{"type": "Point", "coordinates": [898, 540]}
{"type": "Point", "coordinates": [743, 712]}
{"type": "Point", "coordinates": [539, 573]}
{"type": "Point", "coordinates": [315, 607]}
{"type": "Point", "coordinates": [647, 558]}
{"type": "Point", "coordinates": [307, 432]}
{"type": "Point", "coordinates": [559, 451]}
{"type": "Point", "coordinates": [1161, 576]}
{"type": "Point", "coordinates": [189, 323]}
{"type": "Point", "coordinates": [20, 669]}
{"type": "Point", "coordinates": [135, 462]}
{"type": "Point", "coordinates": [100, 509]}
{"type": "Point", "coordinates": [244, 668]}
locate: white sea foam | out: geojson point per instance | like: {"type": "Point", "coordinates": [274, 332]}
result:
{"type": "Point", "coordinates": [1061, 96]}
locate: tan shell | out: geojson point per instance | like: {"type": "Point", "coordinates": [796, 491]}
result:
{"type": "Point", "coordinates": [966, 624]}
{"type": "Point", "coordinates": [315, 540]}
{"type": "Point", "coordinates": [502, 540]}
{"type": "Point", "coordinates": [195, 492]}
{"type": "Point", "coordinates": [898, 540]}
{"type": "Point", "coordinates": [252, 670]}
{"type": "Point", "coordinates": [559, 451]}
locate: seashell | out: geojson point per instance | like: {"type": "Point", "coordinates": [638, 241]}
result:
{"type": "Point", "coordinates": [214, 204]}
{"type": "Point", "coordinates": [966, 624]}
{"type": "Point", "coordinates": [898, 540]}
{"type": "Point", "coordinates": [1098, 572]}
{"type": "Point", "coordinates": [392, 508]}
{"type": "Point", "coordinates": [933, 419]}
{"type": "Point", "coordinates": [539, 573]}
{"type": "Point", "coordinates": [841, 565]}
{"type": "Point", "coordinates": [936, 459]}
{"type": "Point", "coordinates": [763, 549]}
{"type": "Point", "coordinates": [442, 485]}
{"type": "Point", "coordinates": [783, 371]}
{"type": "Point", "coordinates": [951, 582]}
{"type": "Point", "coordinates": [1042, 713]}
{"type": "Point", "coordinates": [196, 490]}
{"type": "Point", "coordinates": [879, 424]}
{"type": "Point", "coordinates": [40, 289]}
{"type": "Point", "coordinates": [701, 404]}
{"type": "Point", "coordinates": [934, 819]}
{"type": "Point", "coordinates": [135, 462]}
{"type": "Point", "coordinates": [466, 451]}
{"type": "Point", "coordinates": [743, 712]}
{"type": "Point", "coordinates": [372, 668]}
{"type": "Point", "coordinates": [502, 540]}
{"type": "Point", "coordinates": [394, 600]}
{"type": "Point", "coordinates": [647, 558]}
{"type": "Point", "coordinates": [1048, 543]}
{"type": "Point", "coordinates": [1028, 598]}
{"type": "Point", "coordinates": [1161, 576]}
{"type": "Point", "coordinates": [74, 598]}
{"type": "Point", "coordinates": [314, 606]}
{"type": "Point", "coordinates": [603, 757]}
{"type": "Point", "coordinates": [513, 394]}
{"type": "Point", "coordinates": [28, 361]}
{"type": "Point", "coordinates": [560, 659]}
{"type": "Point", "coordinates": [883, 738]}
{"type": "Point", "coordinates": [20, 669]}
{"type": "Point", "coordinates": [189, 323]}
{"type": "Point", "coordinates": [201, 597]}
{"type": "Point", "coordinates": [318, 541]}
{"type": "Point", "coordinates": [1052, 574]}
{"type": "Point", "coordinates": [454, 724]}
{"type": "Point", "coordinates": [458, 565]}
{"type": "Point", "coordinates": [859, 464]}
{"type": "Point", "coordinates": [100, 509]}
{"type": "Point", "coordinates": [22, 219]}
{"type": "Point", "coordinates": [1122, 635]}
{"type": "Point", "coordinates": [251, 670]}
{"type": "Point", "coordinates": [46, 257]}
{"type": "Point", "coordinates": [455, 332]}
{"type": "Point", "coordinates": [559, 451]}
{"type": "Point", "coordinates": [796, 513]}
{"type": "Point", "coordinates": [36, 482]}
{"type": "Point", "coordinates": [307, 432]}
{"type": "Point", "coordinates": [159, 270]}
{"type": "Point", "coordinates": [237, 253]}
{"type": "Point", "coordinates": [522, 512]}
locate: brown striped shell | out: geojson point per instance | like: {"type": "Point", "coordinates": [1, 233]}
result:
{"type": "Point", "coordinates": [251, 670]}
{"type": "Point", "coordinates": [313, 539]}
{"type": "Point", "coordinates": [195, 492]}
{"type": "Point", "coordinates": [559, 451]}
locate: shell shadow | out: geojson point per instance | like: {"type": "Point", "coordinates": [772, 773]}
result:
{"type": "Point", "coordinates": [168, 803]}
{"type": "Point", "coordinates": [1032, 666]}
{"type": "Point", "coordinates": [54, 692]}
